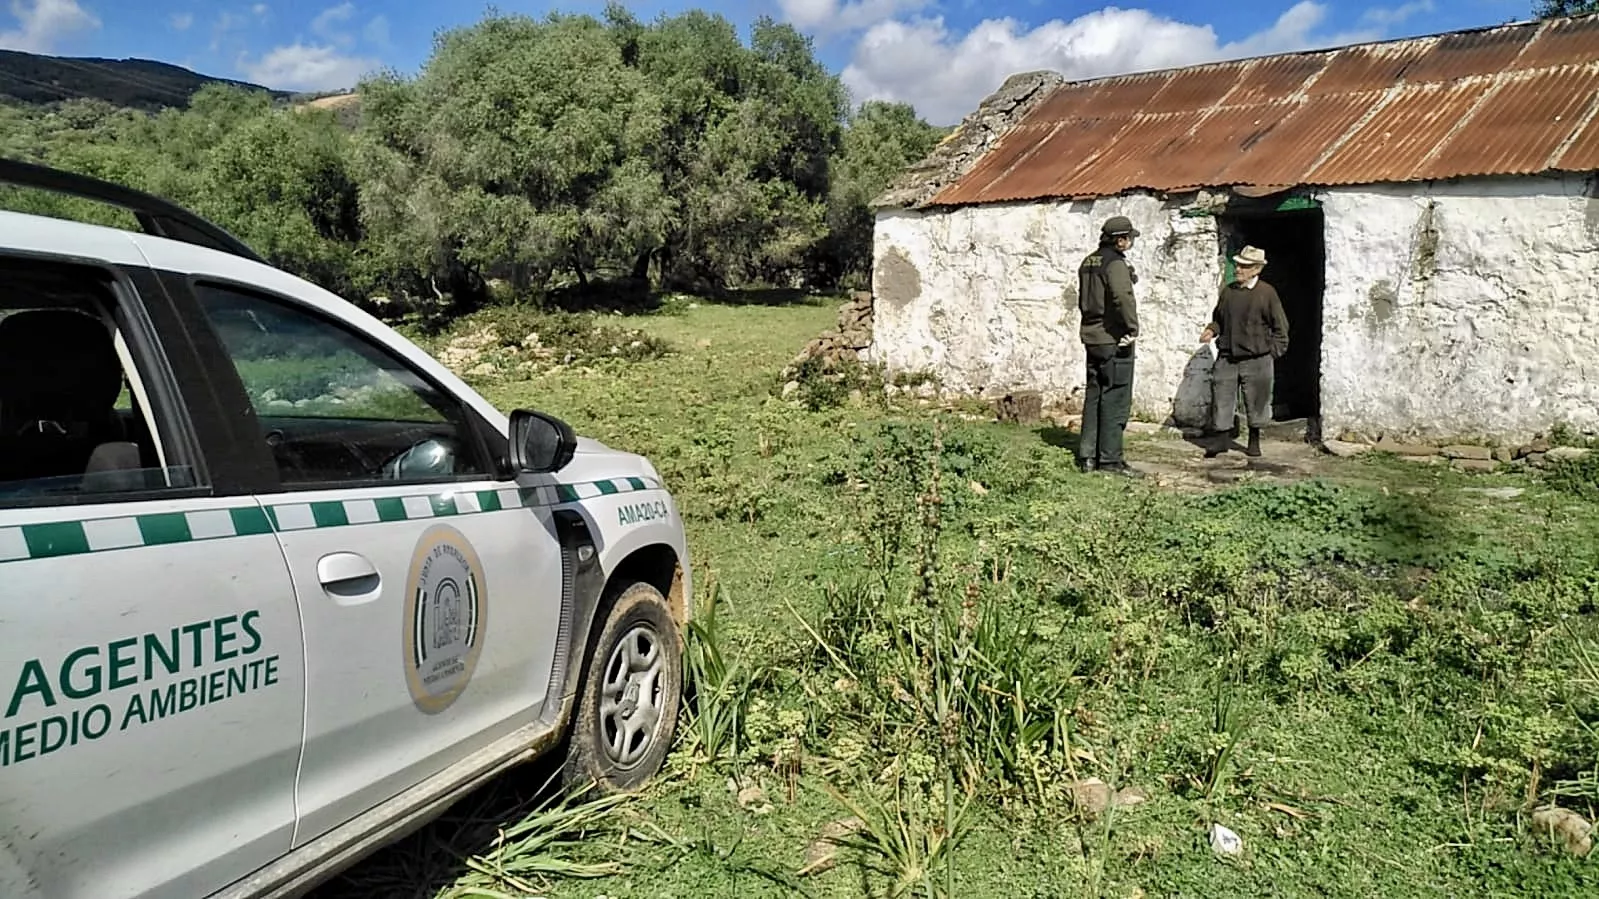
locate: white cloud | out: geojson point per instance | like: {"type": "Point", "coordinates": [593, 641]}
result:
{"type": "Point", "coordinates": [181, 21]}
{"type": "Point", "coordinates": [376, 32]}
{"type": "Point", "coordinates": [945, 75]}
{"type": "Point", "coordinates": [307, 67]}
{"type": "Point", "coordinates": [44, 24]}
{"type": "Point", "coordinates": [260, 10]}
{"type": "Point", "coordinates": [1387, 18]}
{"type": "Point", "coordinates": [329, 24]}
{"type": "Point", "coordinates": [840, 16]}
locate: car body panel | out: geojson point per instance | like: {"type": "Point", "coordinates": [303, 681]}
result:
{"type": "Point", "coordinates": [372, 728]}
{"type": "Point", "coordinates": [160, 682]}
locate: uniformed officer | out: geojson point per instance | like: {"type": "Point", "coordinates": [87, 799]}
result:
{"type": "Point", "coordinates": [1109, 328]}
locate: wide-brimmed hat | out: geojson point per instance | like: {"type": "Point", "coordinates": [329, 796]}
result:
{"type": "Point", "coordinates": [1117, 225]}
{"type": "Point", "coordinates": [1250, 256]}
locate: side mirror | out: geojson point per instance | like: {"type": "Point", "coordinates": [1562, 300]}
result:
{"type": "Point", "coordinates": [540, 443]}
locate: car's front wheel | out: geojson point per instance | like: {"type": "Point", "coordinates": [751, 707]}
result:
{"type": "Point", "coordinates": [628, 704]}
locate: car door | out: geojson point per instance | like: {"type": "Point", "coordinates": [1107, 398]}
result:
{"type": "Point", "coordinates": [151, 670]}
{"type": "Point", "coordinates": [429, 592]}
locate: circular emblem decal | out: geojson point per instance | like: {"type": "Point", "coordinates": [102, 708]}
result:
{"type": "Point", "coordinates": [444, 618]}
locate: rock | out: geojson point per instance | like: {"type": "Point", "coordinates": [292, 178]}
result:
{"type": "Point", "coordinates": [1571, 828]}
{"type": "Point", "coordinates": [1424, 460]}
{"type": "Point", "coordinates": [1344, 449]}
{"type": "Point", "coordinates": [1386, 445]}
{"type": "Point", "coordinates": [1024, 407]}
{"type": "Point", "coordinates": [1224, 842]}
{"type": "Point", "coordinates": [1092, 795]}
{"type": "Point", "coordinates": [1357, 437]}
{"type": "Point", "coordinates": [791, 388]}
{"type": "Point", "coordinates": [1497, 492]}
{"type": "Point", "coordinates": [1130, 796]}
{"type": "Point", "coordinates": [1144, 427]}
{"type": "Point", "coordinates": [482, 369]}
{"type": "Point", "coordinates": [1540, 445]}
{"type": "Point", "coordinates": [703, 343]}
{"type": "Point", "coordinates": [1226, 475]}
{"type": "Point", "coordinates": [822, 853]}
{"type": "Point", "coordinates": [1565, 453]}
{"type": "Point", "coordinates": [979, 489]}
{"type": "Point", "coordinates": [1504, 454]}
{"type": "Point", "coordinates": [1479, 453]}
{"type": "Point", "coordinates": [1476, 465]}
{"type": "Point", "coordinates": [1536, 460]}
{"type": "Point", "coordinates": [753, 798]}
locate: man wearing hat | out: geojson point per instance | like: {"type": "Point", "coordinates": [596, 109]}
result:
{"type": "Point", "coordinates": [1251, 333]}
{"type": "Point", "coordinates": [1109, 328]}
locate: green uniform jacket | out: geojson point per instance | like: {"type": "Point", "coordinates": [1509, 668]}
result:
{"type": "Point", "coordinates": [1105, 298]}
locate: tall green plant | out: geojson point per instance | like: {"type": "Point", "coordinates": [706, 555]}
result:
{"type": "Point", "coordinates": [718, 688]}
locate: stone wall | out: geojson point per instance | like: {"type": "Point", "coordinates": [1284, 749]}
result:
{"type": "Point", "coordinates": [850, 339]}
{"type": "Point", "coordinates": [1452, 311]}
{"type": "Point", "coordinates": [976, 134]}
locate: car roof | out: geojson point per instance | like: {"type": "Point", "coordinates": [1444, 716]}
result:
{"type": "Point", "coordinates": [65, 238]}
{"type": "Point", "coordinates": [47, 235]}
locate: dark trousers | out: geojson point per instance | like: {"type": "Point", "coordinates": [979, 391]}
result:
{"type": "Point", "coordinates": [1106, 404]}
{"type": "Point", "coordinates": [1255, 377]}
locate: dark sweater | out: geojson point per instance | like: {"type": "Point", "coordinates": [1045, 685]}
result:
{"type": "Point", "coordinates": [1249, 322]}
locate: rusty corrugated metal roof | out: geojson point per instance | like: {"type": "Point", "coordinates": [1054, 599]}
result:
{"type": "Point", "coordinates": [1518, 99]}
{"type": "Point", "coordinates": [1392, 143]}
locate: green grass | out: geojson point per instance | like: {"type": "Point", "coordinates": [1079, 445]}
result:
{"type": "Point", "coordinates": [938, 626]}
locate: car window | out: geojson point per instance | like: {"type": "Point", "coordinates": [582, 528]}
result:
{"type": "Point", "coordinates": [334, 406]}
{"type": "Point", "coordinates": [76, 423]}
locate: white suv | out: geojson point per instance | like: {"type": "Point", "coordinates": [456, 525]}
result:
{"type": "Point", "coordinates": [276, 586]}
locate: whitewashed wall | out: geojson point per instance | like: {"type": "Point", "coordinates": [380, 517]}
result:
{"type": "Point", "coordinates": [1451, 311]}
{"type": "Point", "coordinates": [987, 296]}
{"type": "Point", "coordinates": [1467, 310]}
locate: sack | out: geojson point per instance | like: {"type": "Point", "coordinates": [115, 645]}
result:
{"type": "Point", "coordinates": [1191, 407]}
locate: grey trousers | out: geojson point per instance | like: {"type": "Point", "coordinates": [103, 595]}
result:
{"type": "Point", "coordinates": [1255, 376]}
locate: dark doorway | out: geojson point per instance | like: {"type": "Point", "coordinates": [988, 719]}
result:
{"type": "Point", "coordinates": [1296, 264]}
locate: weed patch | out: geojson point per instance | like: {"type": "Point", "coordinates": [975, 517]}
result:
{"type": "Point", "coordinates": [519, 340]}
{"type": "Point", "coordinates": [971, 670]}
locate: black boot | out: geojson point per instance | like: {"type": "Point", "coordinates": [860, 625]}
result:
{"type": "Point", "coordinates": [1254, 442]}
{"type": "Point", "coordinates": [1216, 442]}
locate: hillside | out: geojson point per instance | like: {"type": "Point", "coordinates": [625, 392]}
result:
{"type": "Point", "coordinates": [135, 83]}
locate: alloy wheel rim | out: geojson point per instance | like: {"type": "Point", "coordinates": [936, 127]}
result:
{"type": "Point", "coordinates": [631, 698]}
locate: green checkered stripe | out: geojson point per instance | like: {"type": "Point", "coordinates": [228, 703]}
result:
{"type": "Point", "coordinates": [77, 537]}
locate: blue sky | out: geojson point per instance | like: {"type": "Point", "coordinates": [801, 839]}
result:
{"type": "Point", "coordinates": [942, 55]}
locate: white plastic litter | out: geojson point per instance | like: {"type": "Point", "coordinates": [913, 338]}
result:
{"type": "Point", "coordinates": [1224, 841]}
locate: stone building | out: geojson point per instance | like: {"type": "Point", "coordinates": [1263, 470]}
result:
{"type": "Point", "coordinates": [1428, 207]}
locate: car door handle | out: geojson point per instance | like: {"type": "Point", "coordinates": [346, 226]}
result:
{"type": "Point", "coordinates": [348, 576]}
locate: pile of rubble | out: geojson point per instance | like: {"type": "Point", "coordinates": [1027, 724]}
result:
{"type": "Point", "coordinates": [846, 343]}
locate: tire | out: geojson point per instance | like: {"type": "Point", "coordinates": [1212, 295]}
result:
{"type": "Point", "coordinates": [634, 665]}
